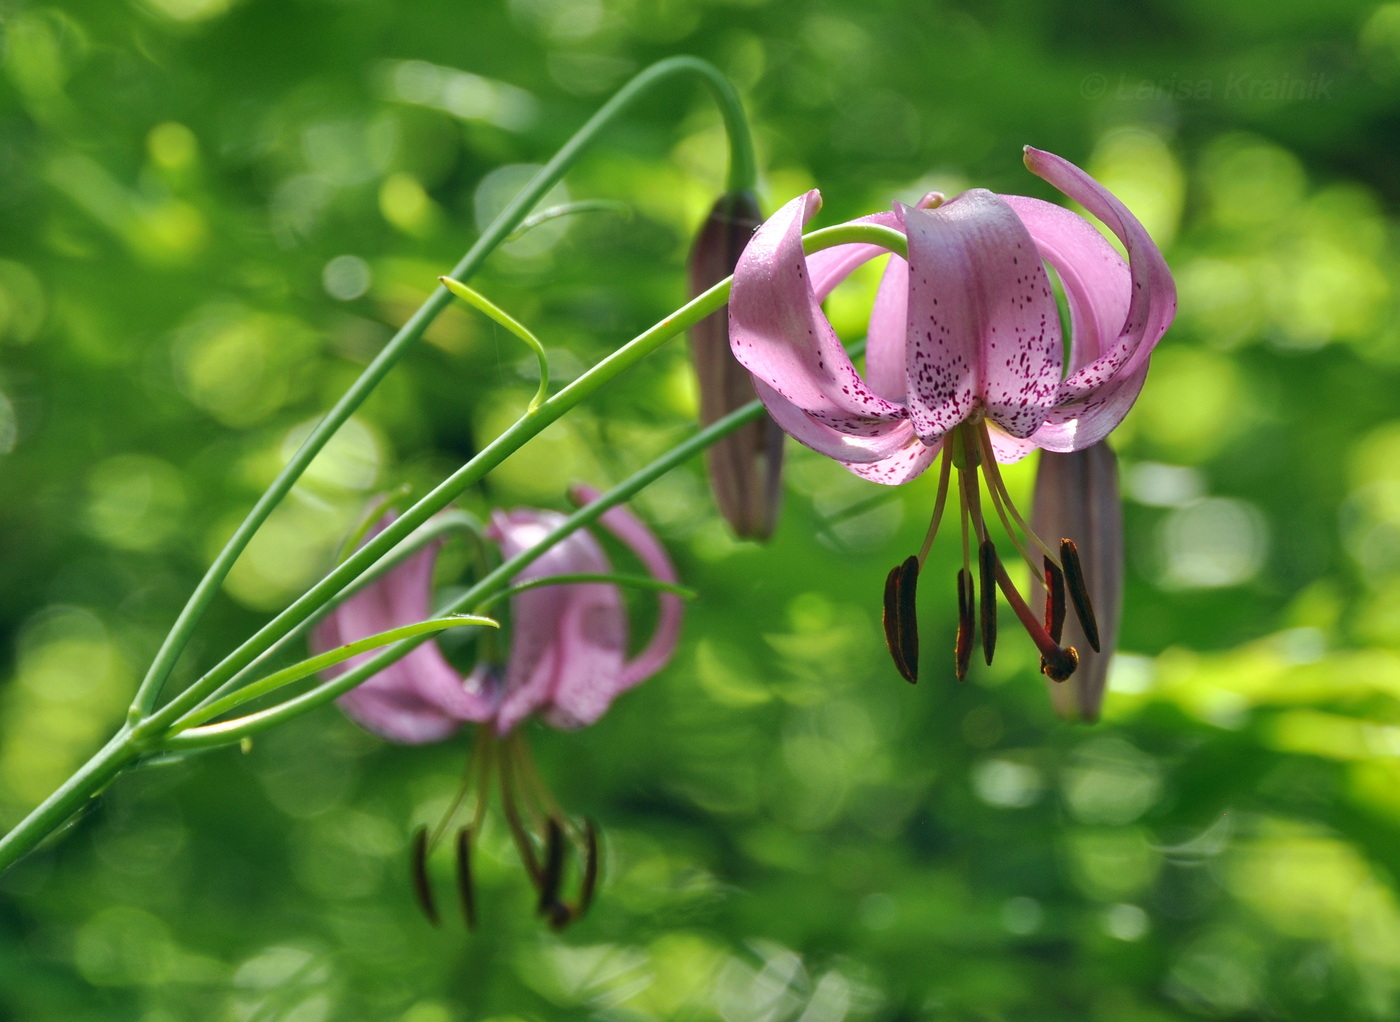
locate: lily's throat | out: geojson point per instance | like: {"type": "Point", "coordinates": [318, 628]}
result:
{"type": "Point", "coordinates": [967, 450]}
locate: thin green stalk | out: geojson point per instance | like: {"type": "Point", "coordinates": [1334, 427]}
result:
{"type": "Point", "coordinates": [628, 581]}
{"type": "Point", "coordinates": [71, 796]}
{"type": "Point", "coordinates": [528, 426]}
{"type": "Point", "coordinates": [153, 734]}
{"type": "Point", "coordinates": [742, 172]}
{"type": "Point", "coordinates": [489, 588]}
{"type": "Point", "coordinates": [296, 672]}
{"type": "Point", "coordinates": [232, 731]}
{"type": "Point", "coordinates": [525, 428]}
{"type": "Point", "coordinates": [439, 525]}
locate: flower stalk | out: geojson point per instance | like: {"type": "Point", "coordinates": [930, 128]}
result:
{"type": "Point", "coordinates": [147, 730]}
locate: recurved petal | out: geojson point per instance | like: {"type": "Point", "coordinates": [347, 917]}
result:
{"type": "Point", "coordinates": [778, 331]}
{"type": "Point", "coordinates": [591, 639]}
{"type": "Point", "coordinates": [420, 698]}
{"type": "Point", "coordinates": [634, 534]}
{"type": "Point", "coordinates": [906, 463]}
{"type": "Point", "coordinates": [394, 711]}
{"type": "Point", "coordinates": [568, 635]}
{"type": "Point", "coordinates": [889, 320]}
{"type": "Point", "coordinates": [1096, 280]}
{"type": "Point", "coordinates": [983, 327]}
{"type": "Point", "coordinates": [1080, 422]}
{"type": "Point", "coordinates": [888, 334]}
{"type": "Point", "coordinates": [880, 441]}
{"type": "Point", "coordinates": [1076, 497]}
{"type": "Point", "coordinates": [1153, 302]}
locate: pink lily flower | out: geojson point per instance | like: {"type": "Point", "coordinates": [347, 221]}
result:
{"type": "Point", "coordinates": [568, 661]}
{"type": "Point", "coordinates": [965, 359]}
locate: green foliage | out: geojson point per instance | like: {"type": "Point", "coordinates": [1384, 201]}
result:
{"type": "Point", "coordinates": [215, 213]}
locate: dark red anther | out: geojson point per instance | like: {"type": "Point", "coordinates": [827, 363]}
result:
{"type": "Point", "coordinates": [465, 891]}
{"type": "Point", "coordinates": [1079, 592]}
{"type": "Point", "coordinates": [900, 618]}
{"type": "Point", "coordinates": [590, 867]}
{"type": "Point", "coordinates": [962, 648]}
{"type": "Point", "coordinates": [1054, 600]}
{"type": "Point", "coordinates": [552, 874]}
{"type": "Point", "coordinates": [987, 565]}
{"type": "Point", "coordinates": [418, 860]}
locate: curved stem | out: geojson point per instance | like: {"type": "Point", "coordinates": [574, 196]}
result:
{"type": "Point", "coordinates": [439, 526]}
{"type": "Point", "coordinates": [133, 741]}
{"type": "Point", "coordinates": [742, 170]}
{"type": "Point", "coordinates": [524, 429]}
{"type": "Point", "coordinates": [228, 732]}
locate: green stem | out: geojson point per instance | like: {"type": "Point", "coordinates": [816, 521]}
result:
{"type": "Point", "coordinates": [87, 782]}
{"type": "Point", "coordinates": [438, 526]}
{"type": "Point", "coordinates": [131, 742]}
{"type": "Point", "coordinates": [231, 731]}
{"type": "Point", "coordinates": [311, 665]}
{"type": "Point", "coordinates": [526, 427]}
{"type": "Point", "coordinates": [742, 169]}
{"type": "Point", "coordinates": [630, 581]}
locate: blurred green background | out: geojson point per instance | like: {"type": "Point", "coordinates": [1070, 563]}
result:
{"type": "Point", "coordinates": [214, 212]}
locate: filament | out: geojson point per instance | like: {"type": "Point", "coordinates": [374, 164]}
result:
{"type": "Point", "coordinates": [944, 470]}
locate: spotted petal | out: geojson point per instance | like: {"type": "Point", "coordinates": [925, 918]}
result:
{"type": "Point", "coordinates": [983, 327]}
{"type": "Point", "coordinates": [1153, 296]}
{"type": "Point", "coordinates": [778, 332]}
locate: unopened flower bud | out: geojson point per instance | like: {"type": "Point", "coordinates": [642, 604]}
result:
{"type": "Point", "coordinates": [745, 467]}
{"type": "Point", "coordinates": [1076, 495]}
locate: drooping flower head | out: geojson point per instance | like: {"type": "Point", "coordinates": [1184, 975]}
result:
{"type": "Point", "coordinates": [965, 359]}
{"type": "Point", "coordinates": [568, 660]}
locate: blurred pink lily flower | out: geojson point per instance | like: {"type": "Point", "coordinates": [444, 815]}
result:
{"type": "Point", "coordinates": [965, 358]}
{"type": "Point", "coordinates": [568, 661]}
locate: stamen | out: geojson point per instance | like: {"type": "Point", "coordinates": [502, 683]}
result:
{"type": "Point", "coordinates": [987, 564]}
{"type": "Point", "coordinates": [967, 477]}
{"type": "Point", "coordinates": [944, 470]}
{"type": "Point", "coordinates": [962, 648]}
{"type": "Point", "coordinates": [553, 873]}
{"type": "Point", "coordinates": [1060, 667]}
{"type": "Point", "coordinates": [1001, 499]}
{"type": "Point", "coordinates": [1056, 662]}
{"type": "Point", "coordinates": [523, 847]}
{"type": "Point", "coordinates": [997, 485]}
{"type": "Point", "coordinates": [418, 860]}
{"type": "Point", "coordinates": [1054, 600]}
{"type": "Point", "coordinates": [465, 891]}
{"type": "Point", "coordinates": [590, 867]}
{"type": "Point", "coordinates": [1079, 592]}
{"type": "Point", "coordinates": [900, 618]}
